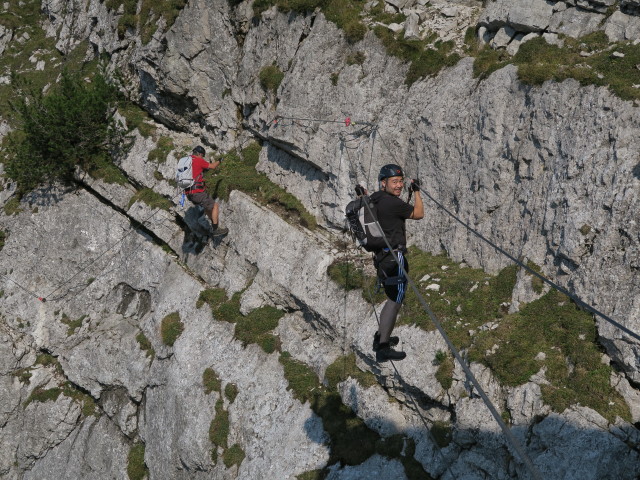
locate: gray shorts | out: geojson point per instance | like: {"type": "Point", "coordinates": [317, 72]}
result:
{"type": "Point", "coordinates": [202, 199]}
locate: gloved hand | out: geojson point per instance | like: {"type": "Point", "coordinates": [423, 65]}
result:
{"type": "Point", "coordinates": [360, 190]}
{"type": "Point", "coordinates": [415, 185]}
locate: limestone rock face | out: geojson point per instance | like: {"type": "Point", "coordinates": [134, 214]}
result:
{"type": "Point", "coordinates": [549, 173]}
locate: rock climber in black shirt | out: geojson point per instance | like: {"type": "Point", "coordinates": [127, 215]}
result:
{"type": "Point", "coordinates": [392, 213]}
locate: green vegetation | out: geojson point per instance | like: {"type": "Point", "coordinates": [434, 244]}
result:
{"type": "Point", "coordinates": [146, 19]}
{"type": "Point", "coordinates": [234, 455]}
{"type": "Point", "coordinates": [357, 58]}
{"type": "Point", "coordinates": [238, 172]}
{"type": "Point", "coordinates": [346, 367]}
{"type": "Point", "coordinates": [566, 336]}
{"type": "Point", "coordinates": [137, 118]}
{"type": "Point", "coordinates": [344, 13]}
{"type": "Point", "coordinates": [348, 275]}
{"type": "Point", "coordinates": [43, 395]}
{"type": "Point", "coordinates": [589, 60]}
{"type": "Point", "coordinates": [425, 60]}
{"type": "Point", "coordinates": [145, 345]}
{"type": "Point", "coordinates": [136, 468]}
{"type": "Point", "coordinates": [271, 77]}
{"type": "Point", "coordinates": [163, 148]}
{"type": "Point", "coordinates": [252, 328]}
{"type": "Point", "coordinates": [72, 125]}
{"type": "Point", "coordinates": [352, 442]}
{"type": "Point", "coordinates": [171, 328]}
{"type": "Point", "coordinates": [469, 299]}
{"type": "Point", "coordinates": [536, 282]}
{"type": "Point", "coordinates": [231, 392]}
{"type": "Point", "coordinates": [151, 198]}
{"type": "Point", "coordinates": [24, 375]}
{"type": "Point", "coordinates": [219, 429]}
{"type": "Point", "coordinates": [68, 390]}
{"type": "Point", "coordinates": [72, 324]}
{"type": "Point", "coordinates": [473, 309]}
{"type": "Point", "coordinates": [444, 374]}
{"type": "Point", "coordinates": [442, 433]}
{"type": "Point", "coordinates": [12, 207]}
{"type": "Point", "coordinates": [3, 238]}
{"type": "Point", "coordinates": [210, 381]}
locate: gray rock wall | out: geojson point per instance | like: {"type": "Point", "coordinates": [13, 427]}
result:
{"type": "Point", "coordinates": [530, 168]}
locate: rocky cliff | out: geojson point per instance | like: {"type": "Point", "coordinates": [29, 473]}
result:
{"type": "Point", "coordinates": [550, 173]}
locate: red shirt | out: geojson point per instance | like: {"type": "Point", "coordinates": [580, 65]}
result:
{"type": "Point", "coordinates": [198, 166]}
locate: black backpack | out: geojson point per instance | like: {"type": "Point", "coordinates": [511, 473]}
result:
{"type": "Point", "coordinates": [364, 227]}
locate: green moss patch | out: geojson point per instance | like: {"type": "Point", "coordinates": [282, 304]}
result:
{"type": "Point", "coordinates": [231, 392]}
{"type": "Point", "coordinates": [425, 58]}
{"type": "Point", "coordinates": [137, 118]}
{"type": "Point", "coordinates": [270, 78]}
{"type": "Point", "coordinates": [151, 198]}
{"type": "Point", "coordinates": [256, 327]}
{"type": "Point", "coordinates": [552, 333]}
{"type": "Point", "coordinates": [136, 467]}
{"type": "Point", "coordinates": [3, 238]}
{"type": "Point", "coordinates": [238, 172]}
{"type": "Point", "coordinates": [234, 455]}
{"type": "Point", "coordinates": [467, 299]}
{"type": "Point", "coordinates": [349, 275]}
{"type": "Point", "coordinates": [43, 395]}
{"type": "Point", "coordinates": [444, 374]}
{"type": "Point", "coordinates": [171, 328]}
{"type": "Point", "coordinates": [72, 324]}
{"type": "Point", "coordinates": [68, 390]}
{"type": "Point", "coordinates": [590, 60]}
{"type": "Point", "coordinates": [145, 20]}
{"type": "Point", "coordinates": [210, 381]}
{"type": "Point", "coordinates": [12, 207]}
{"type": "Point", "coordinates": [344, 13]}
{"type": "Point", "coordinates": [346, 367]}
{"type": "Point", "coordinates": [163, 148]}
{"type": "Point", "coordinates": [145, 345]}
{"type": "Point", "coordinates": [219, 428]}
{"type": "Point", "coordinates": [352, 442]}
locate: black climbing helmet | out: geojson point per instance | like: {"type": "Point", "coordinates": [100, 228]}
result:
{"type": "Point", "coordinates": [390, 170]}
{"type": "Point", "coordinates": [199, 150]}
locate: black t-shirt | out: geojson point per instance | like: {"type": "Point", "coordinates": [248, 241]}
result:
{"type": "Point", "coordinates": [392, 212]}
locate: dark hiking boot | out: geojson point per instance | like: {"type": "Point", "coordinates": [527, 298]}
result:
{"type": "Point", "coordinates": [219, 232]}
{"type": "Point", "coordinates": [393, 341]}
{"type": "Point", "coordinates": [385, 352]}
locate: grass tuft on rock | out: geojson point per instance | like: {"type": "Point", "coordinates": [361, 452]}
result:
{"type": "Point", "coordinates": [171, 328]}
{"type": "Point", "coordinates": [234, 455]}
{"type": "Point", "coordinates": [348, 275]}
{"type": "Point", "coordinates": [219, 428]}
{"type": "Point", "coordinates": [72, 324]}
{"type": "Point", "coordinates": [210, 381]}
{"type": "Point", "coordinates": [351, 441]}
{"type": "Point", "coordinates": [164, 146]}
{"type": "Point", "coordinates": [270, 78]}
{"type": "Point", "coordinates": [145, 345]}
{"type": "Point", "coordinates": [256, 327]}
{"type": "Point", "coordinates": [231, 392]}
{"type": "Point", "coordinates": [589, 59]}
{"type": "Point", "coordinates": [151, 198]}
{"type": "Point", "coordinates": [238, 172]}
{"type": "Point", "coordinates": [136, 467]}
